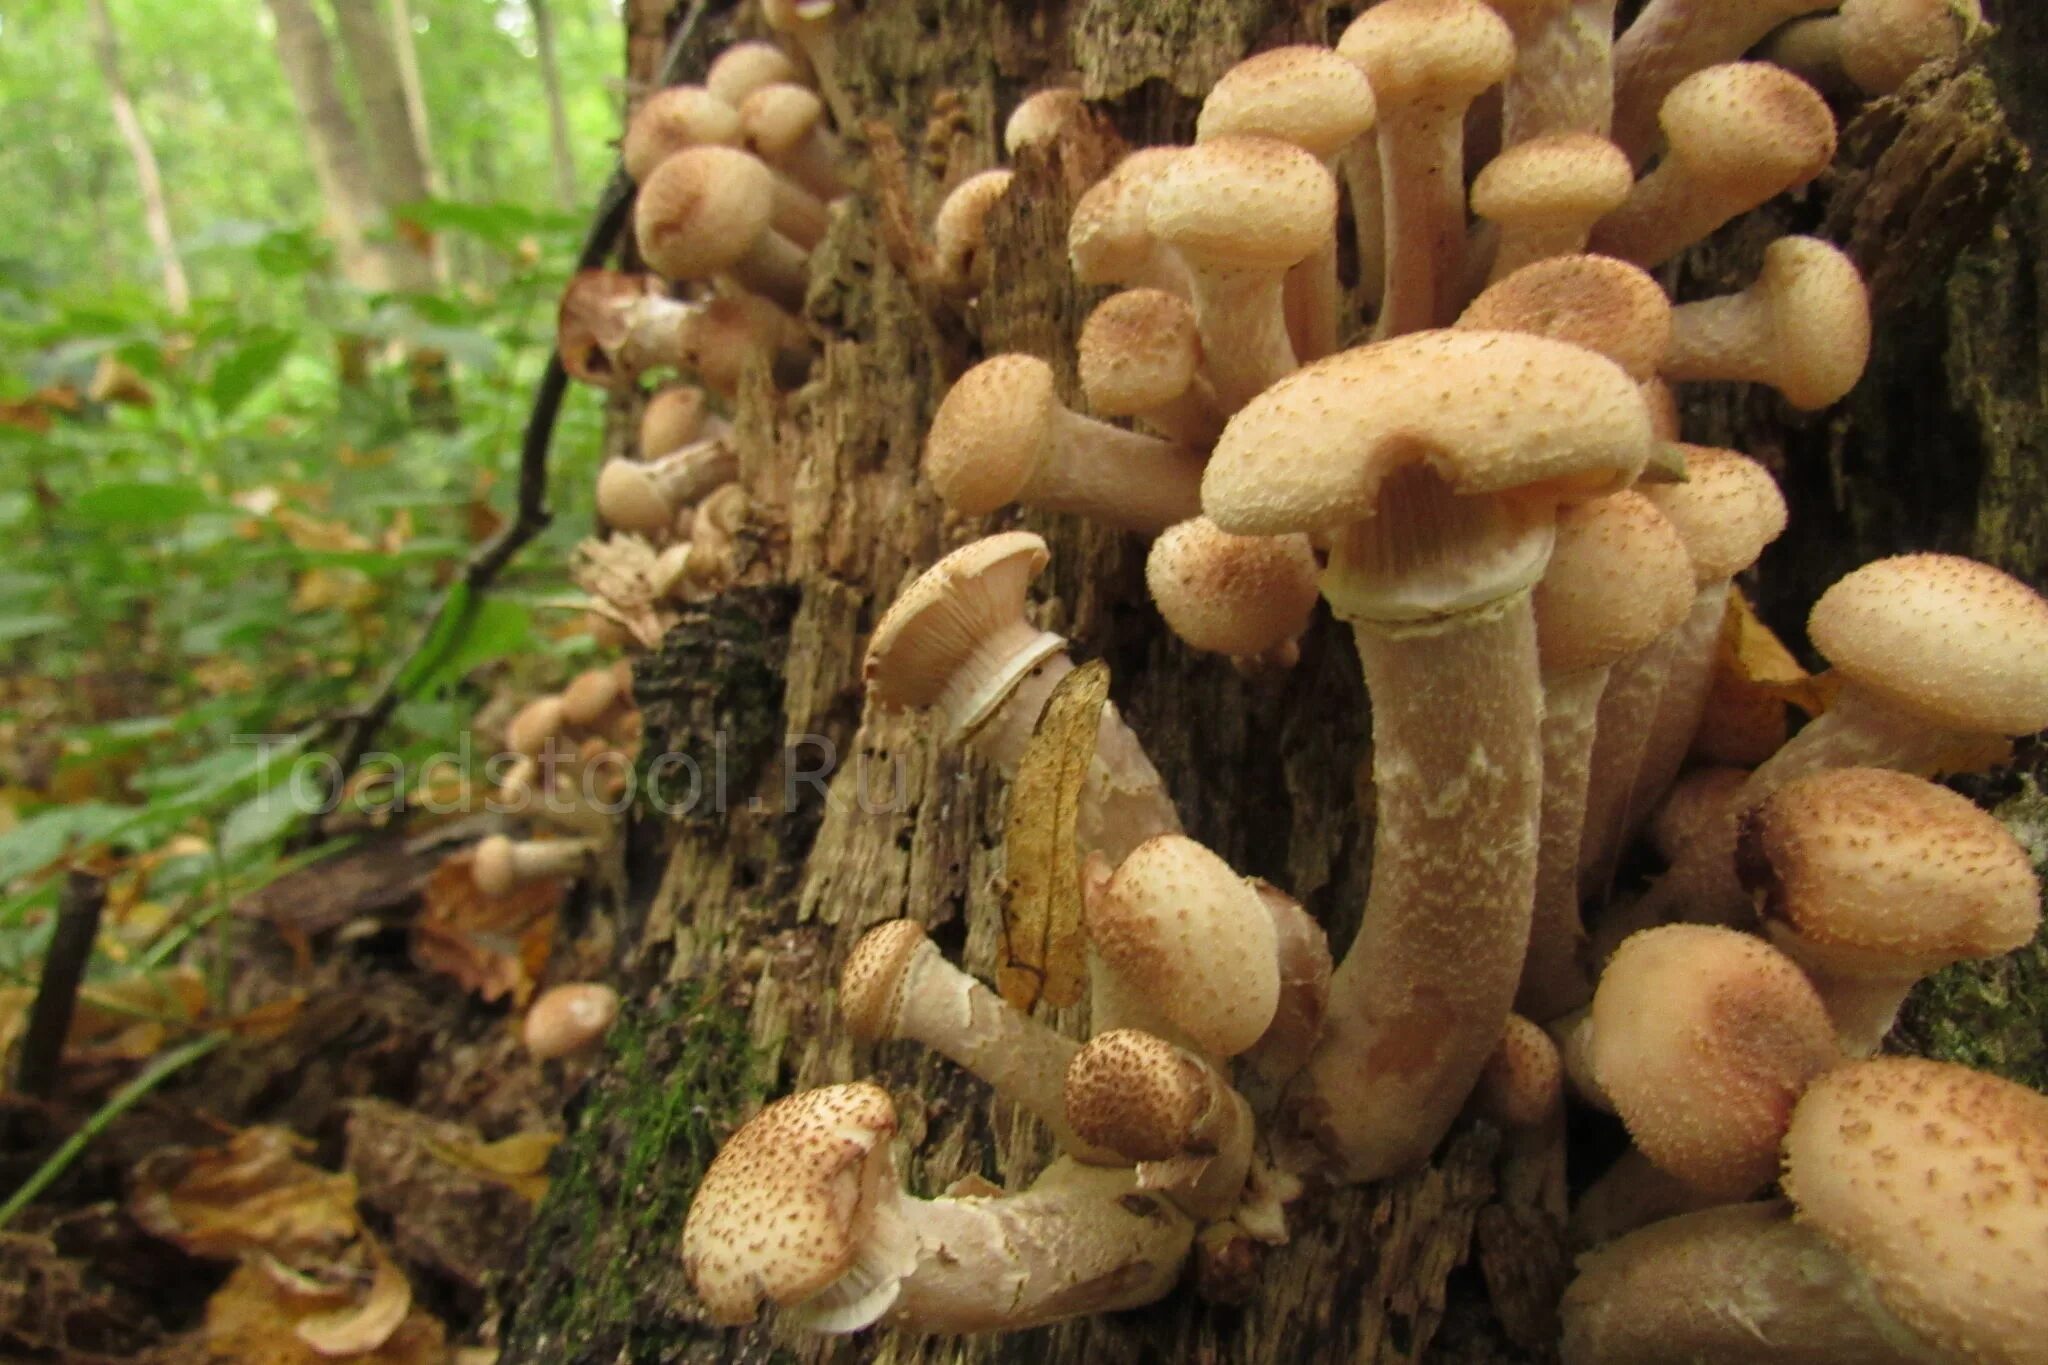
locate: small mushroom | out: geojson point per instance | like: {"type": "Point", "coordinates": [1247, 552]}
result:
{"type": "Point", "coordinates": [1109, 239]}
{"type": "Point", "coordinates": [1249, 597]}
{"type": "Point", "coordinates": [785, 126]}
{"type": "Point", "coordinates": [1169, 1112]}
{"type": "Point", "coordinates": [672, 119]}
{"type": "Point", "coordinates": [501, 865]}
{"type": "Point", "coordinates": [1141, 356]}
{"type": "Point", "coordinates": [1044, 116]}
{"type": "Point", "coordinates": [1803, 327]}
{"type": "Point", "coordinates": [644, 496]}
{"type": "Point", "coordinates": [1875, 46]}
{"type": "Point", "coordinates": [567, 1019]}
{"type": "Point", "coordinates": [1544, 195]}
{"type": "Point", "coordinates": [710, 211]}
{"type": "Point", "coordinates": [959, 231]}
{"type": "Point", "coordinates": [1670, 41]}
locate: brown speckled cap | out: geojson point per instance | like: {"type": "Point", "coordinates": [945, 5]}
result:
{"type": "Point", "coordinates": [569, 1018]}
{"type": "Point", "coordinates": [776, 119]}
{"type": "Point", "coordinates": [871, 982]}
{"type": "Point", "coordinates": [1490, 412]}
{"type": "Point", "coordinates": [1137, 1095]}
{"type": "Point", "coordinates": [1704, 1038]}
{"type": "Point", "coordinates": [779, 1213]}
{"type": "Point", "coordinates": [1618, 578]}
{"type": "Point", "coordinates": [1597, 302]}
{"type": "Point", "coordinates": [1802, 327]}
{"type": "Point", "coordinates": [1308, 96]}
{"type": "Point", "coordinates": [1876, 872]}
{"type": "Point", "coordinates": [990, 433]}
{"type": "Point", "coordinates": [959, 231]}
{"type": "Point", "coordinates": [1042, 116]}
{"type": "Point", "coordinates": [1235, 595]}
{"type": "Point", "coordinates": [1728, 509]}
{"type": "Point", "coordinates": [743, 68]}
{"type": "Point", "coordinates": [1139, 349]}
{"type": "Point", "coordinates": [672, 119]}
{"type": "Point", "coordinates": [1943, 636]}
{"type": "Point", "coordinates": [1415, 51]}
{"type": "Point", "coordinates": [1933, 1178]}
{"type": "Point", "coordinates": [1108, 239]}
{"type": "Point", "coordinates": [701, 210]}
{"type": "Point", "coordinates": [1560, 183]}
{"type": "Point", "coordinates": [1243, 203]}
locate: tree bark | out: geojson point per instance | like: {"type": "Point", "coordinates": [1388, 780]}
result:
{"type": "Point", "coordinates": [755, 891]}
{"type": "Point", "coordinates": [156, 214]}
{"type": "Point", "coordinates": [398, 161]}
{"type": "Point", "coordinates": [559, 145]}
{"type": "Point", "coordinates": [403, 44]}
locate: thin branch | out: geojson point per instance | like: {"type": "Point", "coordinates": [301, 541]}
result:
{"type": "Point", "coordinates": [359, 728]}
{"type": "Point", "coordinates": [49, 1019]}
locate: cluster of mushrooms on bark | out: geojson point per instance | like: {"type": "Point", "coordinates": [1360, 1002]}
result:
{"type": "Point", "coordinates": [1488, 485]}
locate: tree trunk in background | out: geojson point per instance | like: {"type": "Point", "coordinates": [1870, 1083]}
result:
{"type": "Point", "coordinates": [156, 215]}
{"type": "Point", "coordinates": [403, 43]}
{"type": "Point", "coordinates": [558, 113]}
{"type": "Point", "coordinates": [333, 146]}
{"type": "Point", "coordinates": [736, 930]}
{"type": "Point", "coordinates": [398, 160]}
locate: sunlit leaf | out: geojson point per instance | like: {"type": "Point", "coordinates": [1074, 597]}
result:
{"type": "Point", "coordinates": [1042, 952]}
{"type": "Point", "coordinates": [494, 946]}
{"type": "Point", "coordinates": [249, 367]}
{"type": "Point", "coordinates": [136, 504]}
{"type": "Point", "coordinates": [29, 625]}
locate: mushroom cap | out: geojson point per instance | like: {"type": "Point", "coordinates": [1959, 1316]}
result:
{"type": "Point", "coordinates": [1139, 349]}
{"type": "Point", "coordinates": [630, 500]}
{"type": "Point", "coordinates": [959, 228]}
{"type": "Point", "coordinates": [595, 325]}
{"type": "Point", "coordinates": [1437, 51]}
{"type": "Point", "coordinates": [990, 432]}
{"type": "Point", "coordinates": [1109, 240]}
{"type": "Point", "coordinates": [492, 866]}
{"type": "Point", "coordinates": [1522, 1083]}
{"type": "Point", "coordinates": [780, 1211]}
{"type": "Point", "coordinates": [1943, 636]}
{"type": "Point", "coordinates": [1235, 595]}
{"type": "Point", "coordinates": [1305, 95]}
{"type": "Point", "coordinates": [871, 982]}
{"type": "Point", "coordinates": [533, 725]}
{"type": "Point", "coordinates": [1820, 320]}
{"type": "Point", "coordinates": [1489, 412]}
{"type": "Point", "coordinates": [1868, 872]}
{"type": "Point", "coordinates": [1885, 41]}
{"type": "Point", "coordinates": [1933, 1178]}
{"type": "Point", "coordinates": [1604, 305]}
{"type": "Point", "coordinates": [1701, 796]}
{"type": "Point", "coordinates": [743, 68]}
{"type": "Point", "coordinates": [1243, 203]}
{"type": "Point", "coordinates": [672, 119]}
{"type": "Point", "coordinates": [701, 210]}
{"type": "Point", "coordinates": [673, 418]}
{"type": "Point", "coordinates": [1618, 578]}
{"type": "Point", "coordinates": [1751, 129]}
{"type": "Point", "coordinates": [1180, 924]}
{"type": "Point", "coordinates": [1727, 510]}
{"type": "Point", "coordinates": [1562, 178]}
{"type": "Point", "coordinates": [1704, 1038]}
{"type": "Point", "coordinates": [590, 694]}
{"type": "Point", "coordinates": [934, 629]}
{"type": "Point", "coordinates": [569, 1018]}
{"type": "Point", "coordinates": [1136, 1094]}
{"type": "Point", "coordinates": [775, 119]}
{"type": "Point", "coordinates": [1041, 115]}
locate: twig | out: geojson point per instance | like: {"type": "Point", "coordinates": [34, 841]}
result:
{"type": "Point", "coordinates": [49, 1020]}
{"type": "Point", "coordinates": [359, 728]}
{"type": "Point", "coordinates": [120, 1103]}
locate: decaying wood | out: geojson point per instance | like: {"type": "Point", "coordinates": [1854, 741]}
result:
{"type": "Point", "coordinates": [768, 879]}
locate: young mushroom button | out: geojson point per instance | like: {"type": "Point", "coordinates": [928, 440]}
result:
{"type": "Point", "coordinates": [1803, 327]}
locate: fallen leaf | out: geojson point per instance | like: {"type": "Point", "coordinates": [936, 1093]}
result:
{"type": "Point", "coordinates": [1752, 657]}
{"type": "Point", "coordinates": [115, 382]}
{"type": "Point", "coordinates": [254, 1320]}
{"type": "Point", "coordinates": [495, 946]}
{"type": "Point", "coordinates": [366, 1325]}
{"type": "Point", "coordinates": [1042, 952]}
{"type": "Point", "coordinates": [517, 1161]}
{"type": "Point", "coordinates": [308, 532]}
{"type": "Point", "coordinates": [253, 1197]}
{"type": "Point", "coordinates": [348, 590]}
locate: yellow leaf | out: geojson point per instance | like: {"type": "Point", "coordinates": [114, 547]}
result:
{"type": "Point", "coordinates": [253, 1319]}
{"type": "Point", "coordinates": [1042, 954]}
{"type": "Point", "coordinates": [115, 382]}
{"type": "Point", "coordinates": [310, 533]}
{"type": "Point", "coordinates": [516, 1161]}
{"type": "Point", "coordinates": [1752, 657]}
{"type": "Point", "coordinates": [252, 1197]}
{"type": "Point", "coordinates": [341, 589]}
{"type": "Point", "coordinates": [366, 1325]}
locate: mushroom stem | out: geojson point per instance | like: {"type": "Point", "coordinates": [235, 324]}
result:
{"type": "Point", "coordinates": [1628, 708]}
{"type": "Point", "coordinates": [1243, 320]}
{"type": "Point", "coordinates": [1738, 1285]}
{"type": "Point", "coordinates": [1672, 39]}
{"type": "Point", "coordinates": [1563, 81]}
{"type": "Point", "coordinates": [1422, 178]}
{"type": "Point", "coordinates": [1554, 978]}
{"type": "Point", "coordinates": [1632, 1193]}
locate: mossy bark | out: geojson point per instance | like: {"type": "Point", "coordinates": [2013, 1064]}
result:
{"type": "Point", "coordinates": [809, 826]}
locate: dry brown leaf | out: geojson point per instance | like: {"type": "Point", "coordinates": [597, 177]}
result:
{"type": "Point", "coordinates": [254, 1320]}
{"type": "Point", "coordinates": [1752, 657]}
{"type": "Point", "coordinates": [1042, 954]}
{"type": "Point", "coordinates": [517, 1161]}
{"type": "Point", "coordinates": [32, 413]}
{"type": "Point", "coordinates": [115, 382]}
{"type": "Point", "coordinates": [308, 532]}
{"type": "Point", "coordinates": [346, 590]}
{"type": "Point", "coordinates": [365, 1325]}
{"type": "Point", "coordinates": [125, 1019]}
{"type": "Point", "coordinates": [495, 946]}
{"type": "Point", "coordinates": [253, 1197]}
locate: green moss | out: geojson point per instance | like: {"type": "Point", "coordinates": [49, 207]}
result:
{"type": "Point", "coordinates": [1992, 1015]}
{"type": "Point", "coordinates": [603, 1277]}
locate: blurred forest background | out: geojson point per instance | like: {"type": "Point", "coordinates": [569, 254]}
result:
{"type": "Point", "coordinates": [276, 282]}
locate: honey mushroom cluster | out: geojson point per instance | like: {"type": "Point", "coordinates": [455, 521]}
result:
{"type": "Point", "coordinates": [1473, 454]}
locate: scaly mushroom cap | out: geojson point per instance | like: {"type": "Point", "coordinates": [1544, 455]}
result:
{"type": "Point", "coordinates": [1885, 41]}
{"type": "Point", "coordinates": [1704, 1038]}
{"type": "Point", "coordinates": [1820, 314]}
{"type": "Point", "coordinates": [681, 116]}
{"type": "Point", "coordinates": [1179, 923]}
{"type": "Point", "coordinates": [743, 68]}
{"type": "Point", "coordinates": [1618, 578]}
{"type": "Point", "coordinates": [1308, 96]}
{"type": "Point", "coordinates": [1135, 1094]}
{"type": "Point", "coordinates": [959, 229]}
{"type": "Point", "coordinates": [775, 119]}
{"type": "Point", "coordinates": [1523, 1083]}
{"type": "Point", "coordinates": [1689, 809]}
{"type": "Point", "coordinates": [701, 210]}
{"type": "Point", "coordinates": [1108, 238]}
{"type": "Point", "coordinates": [871, 982]}
{"type": "Point", "coordinates": [1752, 129]}
{"type": "Point", "coordinates": [535, 723]}
{"type": "Point", "coordinates": [1042, 116]}
{"type": "Point", "coordinates": [1243, 203]}
{"type": "Point", "coordinates": [630, 500]}
{"type": "Point", "coordinates": [673, 418]}
{"type": "Point", "coordinates": [1559, 179]}
{"type": "Point", "coordinates": [1727, 510]}
{"type": "Point", "coordinates": [1933, 1178]}
{"type": "Point", "coordinates": [780, 1211]}
{"type": "Point", "coordinates": [1436, 51]}
{"type": "Point", "coordinates": [1869, 872]}
{"type": "Point", "coordinates": [1235, 595]}
{"type": "Point", "coordinates": [1489, 412]}
{"type": "Point", "coordinates": [1604, 305]}
{"type": "Point", "coordinates": [990, 433]}
{"type": "Point", "coordinates": [1139, 349]}
{"type": "Point", "coordinates": [596, 322]}
{"type": "Point", "coordinates": [943, 639]}
{"type": "Point", "coordinates": [568, 1019]}
{"type": "Point", "coordinates": [1942, 636]}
